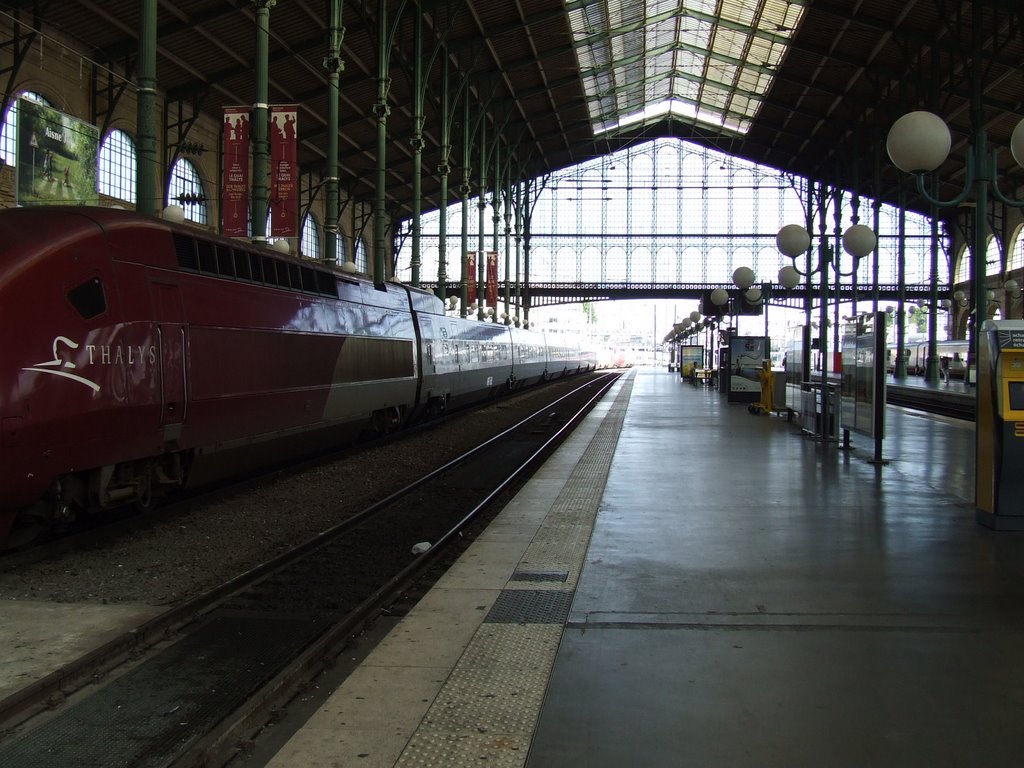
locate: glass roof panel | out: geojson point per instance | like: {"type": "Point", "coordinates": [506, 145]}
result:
{"type": "Point", "coordinates": [703, 61]}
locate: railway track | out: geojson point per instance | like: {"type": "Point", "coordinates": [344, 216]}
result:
{"type": "Point", "coordinates": [212, 670]}
{"type": "Point", "coordinates": [95, 531]}
{"type": "Point", "coordinates": [930, 401]}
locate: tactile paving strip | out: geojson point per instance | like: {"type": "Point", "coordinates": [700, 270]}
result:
{"type": "Point", "coordinates": [487, 710]}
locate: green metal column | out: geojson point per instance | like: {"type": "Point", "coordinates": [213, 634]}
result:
{"type": "Point", "coordinates": [417, 148]}
{"type": "Point", "coordinates": [334, 66]}
{"type": "Point", "coordinates": [146, 118]}
{"type": "Point", "coordinates": [931, 368]}
{"type": "Point", "coordinates": [380, 111]}
{"type": "Point", "coordinates": [823, 267]}
{"type": "Point", "coordinates": [260, 108]}
{"type": "Point", "coordinates": [900, 365]}
{"type": "Point", "coordinates": [508, 241]}
{"type": "Point", "coordinates": [482, 209]}
{"type": "Point", "coordinates": [526, 254]}
{"type": "Point", "coordinates": [443, 169]}
{"type": "Point", "coordinates": [876, 223]}
{"type": "Point", "coordinates": [467, 152]}
{"type": "Point", "coordinates": [496, 199]}
{"type": "Point", "coordinates": [519, 250]}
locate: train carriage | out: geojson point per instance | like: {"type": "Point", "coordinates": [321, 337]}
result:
{"type": "Point", "coordinates": [143, 355]}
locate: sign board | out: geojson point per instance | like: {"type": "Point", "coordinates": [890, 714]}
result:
{"type": "Point", "coordinates": [57, 157]}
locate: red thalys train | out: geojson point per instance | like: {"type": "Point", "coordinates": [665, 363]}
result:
{"type": "Point", "coordinates": [141, 356]}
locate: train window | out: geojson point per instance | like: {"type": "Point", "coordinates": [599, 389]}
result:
{"type": "Point", "coordinates": [294, 276]}
{"type": "Point", "coordinates": [185, 247]}
{"type": "Point", "coordinates": [256, 267]}
{"type": "Point", "coordinates": [269, 271]}
{"type": "Point", "coordinates": [242, 265]}
{"type": "Point", "coordinates": [327, 283]}
{"type": "Point", "coordinates": [88, 298]}
{"type": "Point", "coordinates": [207, 257]}
{"type": "Point", "coordinates": [308, 279]}
{"type": "Point", "coordinates": [225, 263]}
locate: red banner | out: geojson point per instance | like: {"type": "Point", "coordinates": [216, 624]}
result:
{"type": "Point", "coordinates": [471, 275]}
{"type": "Point", "coordinates": [492, 279]}
{"type": "Point", "coordinates": [235, 180]}
{"type": "Point", "coordinates": [284, 172]}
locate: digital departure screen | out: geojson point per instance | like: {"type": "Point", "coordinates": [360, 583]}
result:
{"type": "Point", "coordinates": [1016, 392]}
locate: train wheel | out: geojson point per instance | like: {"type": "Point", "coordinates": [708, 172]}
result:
{"type": "Point", "coordinates": [144, 500]}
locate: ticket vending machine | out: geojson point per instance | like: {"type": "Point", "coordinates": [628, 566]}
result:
{"type": "Point", "coordinates": [999, 481]}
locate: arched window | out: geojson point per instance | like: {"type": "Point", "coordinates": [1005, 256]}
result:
{"type": "Point", "coordinates": [117, 166]}
{"type": "Point", "coordinates": [993, 258]}
{"type": "Point", "coordinates": [963, 266]}
{"type": "Point", "coordinates": [340, 254]}
{"type": "Point", "coordinates": [309, 243]}
{"type": "Point", "coordinates": [9, 137]}
{"type": "Point", "coordinates": [362, 263]}
{"type": "Point", "coordinates": [1016, 259]}
{"type": "Point", "coordinates": [186, 189]}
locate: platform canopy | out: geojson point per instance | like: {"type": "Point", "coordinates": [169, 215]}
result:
{"type": "Point", "coordinates": [807, 86]}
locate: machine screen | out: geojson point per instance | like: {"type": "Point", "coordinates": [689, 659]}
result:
{"type": "Point", "coordinates": [1016, 391]}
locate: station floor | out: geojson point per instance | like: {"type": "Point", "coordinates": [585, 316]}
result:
{"type": "Point", "coordinates": [687, 584]}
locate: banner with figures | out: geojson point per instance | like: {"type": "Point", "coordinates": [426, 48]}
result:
{"type": "Point", "coordinates": [471, 275]}
{"type": "Point", "coordinates": [235, 181]}
{"type": "Point", "coordinates": [284, 171]}
{"type": "Point", "coordinates": [56, 157]}
{"type": "Point", "coordinates": [492, 279]}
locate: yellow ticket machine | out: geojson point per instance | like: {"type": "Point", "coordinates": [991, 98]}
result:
{"type": "Point", "coordinates": [999, 480]}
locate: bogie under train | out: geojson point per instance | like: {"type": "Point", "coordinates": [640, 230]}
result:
{"type": "Point", "coordinates": [142, 356]}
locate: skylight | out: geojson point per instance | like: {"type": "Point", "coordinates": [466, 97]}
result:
{"type": "Point", "coordinates": [708, 62]}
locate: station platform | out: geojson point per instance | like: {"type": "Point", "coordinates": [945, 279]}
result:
{"type": "Point", "coordinates": [685, 583]}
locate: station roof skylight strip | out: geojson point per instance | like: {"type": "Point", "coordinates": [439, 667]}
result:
{"type": "Point", "coordinates": [708, 62]}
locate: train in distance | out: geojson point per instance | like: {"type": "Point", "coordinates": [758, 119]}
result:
{"type": "Point", "coordinates": [143, 356]}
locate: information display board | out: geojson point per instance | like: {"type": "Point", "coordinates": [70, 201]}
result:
{"type": "Point", "coordinates": [746, 354]}
{"type": "Point", "coordinates": [863, 381]}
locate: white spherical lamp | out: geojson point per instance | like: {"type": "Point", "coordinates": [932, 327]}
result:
{"type": "Point", "coordinates": [793, 240]}
{"type": "Point", "coordinates": [753, 295]}
{"type": "Point", "coordinates": [789, 277]}
{"type": "Point", "coordinates": [1017, 143]}
{"type": "Point", "coordinates": [918, 142]}
{"type": "Point", "coordinates": [743, 277]}
{"type": "Point", "coordinates": [695, 316]}
{"type": "Point", "coordinates": [719, 297]}
{"type": "Point", "coordinates": [859, 240]}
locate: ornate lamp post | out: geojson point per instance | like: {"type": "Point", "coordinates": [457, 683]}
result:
{"type": "Point", "coordinates": [793, 241]}
{"type": "Point", "coordinates": [918, 143]}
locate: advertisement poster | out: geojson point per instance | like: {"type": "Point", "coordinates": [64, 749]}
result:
{"type": "Point", "coordinates": [471, 275]}
{"type": "Point", "coordinates": [284, 172]}
{"type": "Point", "coordinates": [747, 353]}
{"type": "Point", "coordinates": [57, 157]}
{"type": "Point", "coordinates": [235, 183]}
{"type": "Point", "coordinates": [691, 358]}
{"type": "Point", "coordinates": [492, 279]}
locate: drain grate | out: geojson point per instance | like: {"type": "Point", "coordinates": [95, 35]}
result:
{"type": "Point", "coordinates": [540, 576]}
{"type": "Point", "coordinates": [530, 606]}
